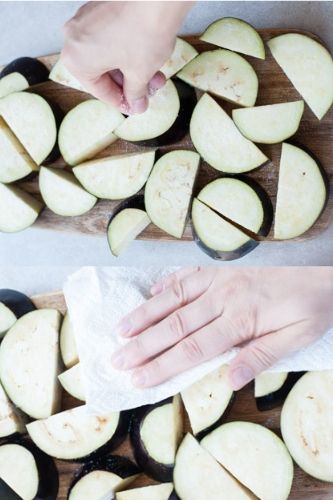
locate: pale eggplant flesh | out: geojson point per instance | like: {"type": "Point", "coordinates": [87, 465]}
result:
{"type": "Point", "coordinates": [276, 398]}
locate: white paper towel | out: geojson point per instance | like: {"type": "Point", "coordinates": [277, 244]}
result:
{"type": "Point", "coordinates": [98, 298]}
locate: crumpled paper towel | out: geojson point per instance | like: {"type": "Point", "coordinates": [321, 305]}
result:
{"type": "Point", "coordinates": [98, 298]}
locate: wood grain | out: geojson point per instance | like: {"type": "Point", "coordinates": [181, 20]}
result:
{"type": "Point", "coordinates": [243, 408]}
{"type": "Point", "coordinates": [274, 87]}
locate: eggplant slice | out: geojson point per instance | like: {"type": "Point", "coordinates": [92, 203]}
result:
{"type": "Point", "coordinates": [63, 194]}
{"type": "Point", "coordinates": [219, 142]}
{"type": "Point", "coordinates": [13, 305]}
{"type": "Point", "coordinates": [182, 54]}
{"type": "Point", "coordinates": [166, 120]}
{"type": "Point", "coordinates": [207, 400]}
{"type": "Point", "coordinates": [18, 209]}
{"type": "Point", "coordinates": [198, 476]}
{"type": "Point", "coordinates": [224, 74]}
{"type": "Point", "coordinates": [28, 471]}
{"type": "Point", "coordinates": [269, 124]}
{"type": "Point", "coordinates": [87, 129]}
{"type": "Point", "coordinates": [11, 420]}
{"type": "Point", "coordinates": [72, 382]}
{"type": "Point", "coordinates": [255, 456]}
{"type": "Point", "coordinates": [102, 478]}
{"type": "Point", "coordinates": [169, 189]}
{"type": "Point", "coordinates": [31, 119]}
{"type": "Point", "coordinates": [124, 227]}
{"type": "Point", "coordinates": [15, 162]}
{"type": "Point", "coordinates": [156, 431]}
{"type": "Point", "coordinates": [235, 34]}
{"type": "Point", "coordinates": [309, 67]}
{"type": "Point", "coordinates": [307, 423]}
{"type": "Point", "coordinates": [29, 363]}
{"type": "Point", "coordinates": [271, 389]}
{"type": "Point", "coordinates": [60, 74]}
{"type": "Point", "coordinates": [75, 435]}
{"type": "Point", "coordinates": [68, 346]}
{"type": "Point", "coordinates": [302, 193]}
{"type": "Point", "coordinates": [115, 177]}
{"type": "Point", "coordinates": [155, 492]}
{"type": "Point", "coordinates": [21, 74]}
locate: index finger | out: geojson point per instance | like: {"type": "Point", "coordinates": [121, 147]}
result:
{"type": "Point", "coordinates": [181, 292]}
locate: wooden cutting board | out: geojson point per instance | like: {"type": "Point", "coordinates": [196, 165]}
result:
{"type": "Point", "coordinates": [243, 408]}
{"type": "Point", "coordinates": [274, 87]}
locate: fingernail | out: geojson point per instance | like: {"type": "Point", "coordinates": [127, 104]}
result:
{"type": "Point", "coordinates": [118, 360]}
{"type": "Point", "coordinates": [240, 377]}
{"type": "Point", "coordinates": [157, 288]}
{"type": "Point", "coordinates": [123, 328]}
{"type": "Point", "coordinates": [139, 378]}
{"type": "Point", "coordinates": [139, 105]}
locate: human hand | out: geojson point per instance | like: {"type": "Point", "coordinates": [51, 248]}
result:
{"type": "Point", "coordinates": [196, 315]}
{"type": "Point", "coordinates": [115, 49]}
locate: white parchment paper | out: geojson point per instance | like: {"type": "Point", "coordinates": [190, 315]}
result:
{"type": "Point", "coordinates": [98, 298]}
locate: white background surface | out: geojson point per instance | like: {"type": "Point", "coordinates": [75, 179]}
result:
{"type": "Point", "coordinates": [34, 28]}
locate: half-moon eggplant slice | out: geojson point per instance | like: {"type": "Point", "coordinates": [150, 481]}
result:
{"type": "Point", "coordinates": [156, 431]}
{"type": "Point", "coordinates": [78, 436]}
{"type": "Point", "coordinates": [11, 420]}
{"type": "Point", "coordinates": [71, 380]}
{"type": "Point", "coordinates": [271, 389]}
{"type": "Point", "coordinates": [154, 492]}
{"type": "Point", "coordinates": [28, 471]}
{"type": "Point", "coordinates": [18, 209]}
{"type": "Point", "coordinates": [68, 346]}
{"type": "Point", "coordinates": [182, 54]}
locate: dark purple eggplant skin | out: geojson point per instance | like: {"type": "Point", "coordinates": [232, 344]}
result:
{"type": "Point", "coordinates": [158, 471]}
{"type": "Point", "coordinates": [119, 465]}
{"type": "Point", "coordinates": [275, 399]}
{"type": "Point", "coordinates": [47, 470]}
{"type": "Point", "coordinates": [180, 127]}
{"type": "Point", "coordinates": [118, 437]}
{"type": "Point", "coordinates": [58, 116]}
{"type": "Point", "coordinates": [250, 245]}
{"type": "Point", "coordinates": [6, 493]}
{"type": "Point", "coordinates": [200, 435]}
{"type": "Point", "coordinates": [173, 496]}
{"type": "Point", "coordinates": [32, 69]}
{"type": "Point", "coordinates": [16, 301]}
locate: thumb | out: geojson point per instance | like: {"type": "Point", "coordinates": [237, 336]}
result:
{"type": "Point", "coordinates": [265, 351]}
{"type": "Point", "coordinates": [136, 94]}
{"type": "Point", "coordinates": [105, 89]}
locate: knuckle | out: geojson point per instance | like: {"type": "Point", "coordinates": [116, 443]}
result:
{"type": "Point", "coordinates": [192, 350]}
{"type": "Point", "coordinates": [262, 355]}
{"type": "Point", "coordinates": [178, 292]}
{"type": "Point", "coordinates": [176, 327]}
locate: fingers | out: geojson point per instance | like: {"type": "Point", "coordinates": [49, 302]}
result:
{"type": "Point", "coordinates": [181, 292]}
{"type": "Point", "coordinates": [168, 332]}
{"type": "Point", "coordinates": [164, 283]}
{"type": "Point", "coordinates": [105, 89]}
{"type": "Point", "coordinates": [265, 351]}
{"type": "Point", "coordinates": [136, 94]}
{"type": "Point", "coordinates": [203, 345]}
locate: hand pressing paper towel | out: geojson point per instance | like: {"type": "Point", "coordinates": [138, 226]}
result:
{"type": "Point", "coordinates": [98, 298]}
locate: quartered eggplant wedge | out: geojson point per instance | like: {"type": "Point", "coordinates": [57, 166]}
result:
{"type": "Point", "coordinates": [13, 305]}
{"type": "Point", "coordinates": [307, 422]}
{"type": "Point", "coordinates": [12, 421]}
{"type": "Point", "coordinates": [198, 475]}
{"type": "Point", "coordinates": [166, 120]}
{"type": "Point", "coordinates": [207, 401]}
{"type": "Point", "coordinates": [77, 436]}
{"type": "Point", "coordinates": [255, 456]}
{"type": "Point", "coordinates": [68, 348]}
{"type": "Point", "coordinates": [228, 216]}
{"type": "Point", "coordinates": [155, 433]}
{"type": "Point", "coordinates": [29, 472]}
{"type": "Point", "coordinates": [235, 34]}
{"type": "Point", "coordinates": [127, 221]}
{"type": "Point", "coordinates": [102, 478]}
{"type": "Point", "coordinates": [21, 74]}
{"type": "Point", "coordinates": [182, 54]}
{"type": "Point", "coordinates": [18, 209]}
{"type": "Point", "coordinates": [154, 492]}
{"type": "Point", "coordinates": [71, 381]}
{"type": "Point", "coordinates": [32, 120]}
{"type": "Point", "coordinates": [271, 389]}
{"type": "Point", "coordinates": [168, 192]}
